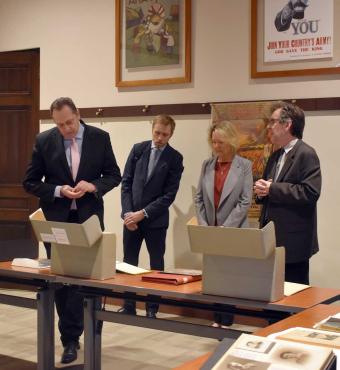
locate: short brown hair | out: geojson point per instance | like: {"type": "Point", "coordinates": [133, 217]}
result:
{"type": "Point", "coordinates": [293, 113]}
{"type": "Point", "coordinates": [165, 120]}
{"type": "Point", "coordinates": [229, 132]}
{"type": "Point", "coordinates": [59, 103]}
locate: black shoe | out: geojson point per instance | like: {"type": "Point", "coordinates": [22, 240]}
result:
{"type": "Point", "coordinates": [127, 311]}
{"type": "Point", "coordinates": [70, 352]}
{"type": "Point", "coordinates": [151, 314]}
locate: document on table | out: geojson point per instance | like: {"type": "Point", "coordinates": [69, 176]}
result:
{"type": "Point", "coordinates": [35, 264]}
{"type": "Point", "coordinates": [292, 288]}
{"type": "Point", "coordinates": [129, 269]}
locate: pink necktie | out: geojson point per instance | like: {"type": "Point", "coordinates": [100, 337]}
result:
{"type": "Point", "coordinates": [75, 158]}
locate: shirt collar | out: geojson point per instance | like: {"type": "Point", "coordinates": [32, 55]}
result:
{"type": "Point", "coordinates": [80, 133]}
{"type": "Point", "coordinates": [153, 146]}
{"type": "Point", "coordinates": [290, 145]}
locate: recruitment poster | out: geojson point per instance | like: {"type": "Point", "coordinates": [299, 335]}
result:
{"type": "Point", "coordinates": [298, 29]}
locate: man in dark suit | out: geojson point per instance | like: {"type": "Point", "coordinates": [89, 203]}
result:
{"type": "Point", "coordinates": [72, 167]}
{"type": "Point", "coordinates": [149, 186]}
{"type": "Point", "coordinates": [289, 190]}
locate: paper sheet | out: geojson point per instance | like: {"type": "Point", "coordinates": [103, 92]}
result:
{"type": "Point", "coordinates": [48, 238]}
{"type": "Point", "coordinates": [60, 235]}
{"type": "Point", "coordinates": [28, 262]}
{"type": "Point", "coordinates": [292, 288]}
{"type": "Point", "coordinates": [129, 269]}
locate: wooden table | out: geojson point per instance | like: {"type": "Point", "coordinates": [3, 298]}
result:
{"type": "Point", "coordinates": [188, 295]}
{"type": "Point", "coordinates": [306, 319]}
{"type": "Point", "coordinates": [123, 284]}
{"type": "Point", "coordinates": [44, 283]}
{"type": "Point", "coordinates": [129, 286]}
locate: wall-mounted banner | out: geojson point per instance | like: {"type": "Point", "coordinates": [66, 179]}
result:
{"type": "Point", "coordinates": [298, 29]}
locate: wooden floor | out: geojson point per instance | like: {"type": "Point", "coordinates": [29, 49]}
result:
{"type": "Point", "coordinates": [124, 347]}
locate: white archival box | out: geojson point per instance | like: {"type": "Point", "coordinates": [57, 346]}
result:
{"type": "Point", "coordinates": [80, 250]}
{"type": "Point", "coordinates": [239, 262]}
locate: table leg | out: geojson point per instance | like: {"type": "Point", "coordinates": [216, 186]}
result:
{"type": "Point", "coordinates": [92, 334]}
{"type": "Point", "coordinates": [45, 324]}
{"type": "Point", "coordinates": [98, 337]}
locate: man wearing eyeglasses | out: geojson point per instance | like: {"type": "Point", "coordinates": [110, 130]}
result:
{"type": "Point", "coordinates": [289, 190]}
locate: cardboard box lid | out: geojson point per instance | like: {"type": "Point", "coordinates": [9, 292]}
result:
{"type": "Point", "coordinates": [230, 241]}
{"type": "Point", "coordinates": [64, 233]}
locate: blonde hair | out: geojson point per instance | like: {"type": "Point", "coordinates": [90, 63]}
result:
{"type": "Point", "coordinates": [227, 129]}
{"type": "Point", "coordinates": [165, 120]}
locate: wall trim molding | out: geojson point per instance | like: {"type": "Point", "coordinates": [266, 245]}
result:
{"type": "Point", "coordinates": [311, 104]}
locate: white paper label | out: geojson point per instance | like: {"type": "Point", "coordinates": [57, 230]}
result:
{"type": "Point", "coordinates": [48, 238]}
{"type": "Point", "coordinates": [60, 235]}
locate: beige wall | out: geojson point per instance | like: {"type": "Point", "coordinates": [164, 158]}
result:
{"type": "Point", "coordinates": [76, 40]}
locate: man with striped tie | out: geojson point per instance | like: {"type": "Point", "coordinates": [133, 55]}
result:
{"type": "Point", "coordinates": [149, 186]}
{"type": "Point", "coordinates": [72, 167]}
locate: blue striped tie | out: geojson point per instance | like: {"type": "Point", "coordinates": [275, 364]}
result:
{"type": "Point", "coordinates": [154, 156]}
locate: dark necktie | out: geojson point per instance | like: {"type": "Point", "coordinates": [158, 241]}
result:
{"type": "Point", "coordinates": [279, 164]}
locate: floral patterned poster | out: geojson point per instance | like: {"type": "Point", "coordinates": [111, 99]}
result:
{"type": "Point", "coordinates": [152, 32]}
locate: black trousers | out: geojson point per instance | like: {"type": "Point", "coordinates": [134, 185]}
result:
{"type": "Point", "coordinates": [69, 304]}
{"type": "Point", "coordinates": [297, 272]}
{"type": "Point", "coordinates": [155, 244]}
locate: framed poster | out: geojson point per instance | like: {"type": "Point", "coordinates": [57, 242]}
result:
{"type": "Point", "coordinates": [153, 42]}
{"type": "Point", "coordinates": [294, 38]}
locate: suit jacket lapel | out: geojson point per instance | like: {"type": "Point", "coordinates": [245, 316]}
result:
{"type": "Point", "coordinates": [272, 169]}
{"type": "Point", "coordinates": [60, 148]}
{"type": "Point", "coordinates": [145, 162]}
{"type": "Point", "coordinates": [210, 181]}
{"type": "Point", "coordinates": [231, 179]}
{"type": "Point", "coordinates": [162, 161]}
{"type": "Point", "coordinates": [85, 152]}
{"type": "Point", "coordinates": [288, 161]}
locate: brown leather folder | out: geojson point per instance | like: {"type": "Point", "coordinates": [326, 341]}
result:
{"type": "Point", "coordinates": [175, 279]}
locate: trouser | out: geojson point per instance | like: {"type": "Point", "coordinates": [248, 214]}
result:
{"type": "Point", "coordinates": [69, 303]}
{"type": "Point", "coordinates": [297, 272]}
{"type": "Point", "coordinates": [225, 319]}
{"type": "Point", "coordinates": [155, 244]}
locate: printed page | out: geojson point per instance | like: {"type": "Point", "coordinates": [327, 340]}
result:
{"type": "Point", "coordinates": [259, 353]}
{"type": "Point", "coordinates": [28, 262]}
{"type": "Point", "coordinates": [129, 269]}
{"type": "Point", "coordinates": [292, 288]}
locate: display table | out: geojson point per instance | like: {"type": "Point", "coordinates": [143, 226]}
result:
{"type": "Point", "coordinates": [131, 287]}
{"type": "Point", "coordinates": [43, 282]}
{"type": "Point", "coordinates": [306, 319]}
{"type": "Point", "coordinates": [187, 295]}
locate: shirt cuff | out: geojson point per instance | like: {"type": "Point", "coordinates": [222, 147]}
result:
{"type": "Point", "coordinates": [57, 193]}
{"type": "Point", "coordinates": [145, 213]}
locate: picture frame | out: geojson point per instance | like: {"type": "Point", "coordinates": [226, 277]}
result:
{"type": "Point", "coordinates": [135, 53]}
{"type": "Point", "coordinates": [312, 67]}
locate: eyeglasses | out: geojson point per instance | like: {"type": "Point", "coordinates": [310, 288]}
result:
{"type": "Point", "coordinates": [272, 121]}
